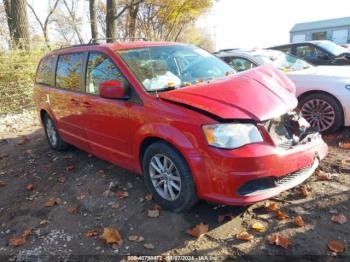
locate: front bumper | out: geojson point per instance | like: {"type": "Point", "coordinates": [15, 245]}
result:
{"type": "Point", "coordinates": [228, 171]}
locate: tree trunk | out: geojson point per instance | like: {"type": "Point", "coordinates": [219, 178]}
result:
{"type": "Point", "coordinates": [19, 23]}
{"type": "Point", "coordinates": [110, 21]}
{"type": "Point", "coordinates": [93, 20]}
{"type": "Point", "coordinates": [132, 15]}
{"type": "Point", "coordinates": [10, 23]}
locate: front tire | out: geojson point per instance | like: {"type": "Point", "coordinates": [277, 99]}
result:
{"type": "Point", "coordinates": [322, 111]}
{"type": "Point", "coordinates": [168, 177]}
{"type": "Point", "coordinates": [53, 137]}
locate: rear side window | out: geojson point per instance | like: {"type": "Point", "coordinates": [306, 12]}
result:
{"type": "Point", "coordinates": [68, 74]}
{"type": "Point", "coordinates": [45, 71]}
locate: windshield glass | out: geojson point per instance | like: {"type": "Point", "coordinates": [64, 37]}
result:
{"type": "Point", "coordinates": [332, 47]}
{"type": "Point", "coordinates": [284, 61]}
{"type": "Point", "coordinates": [162, 68]}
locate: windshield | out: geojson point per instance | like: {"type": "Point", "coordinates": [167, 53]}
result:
{"type": "Point", "coordinates": [284, 61]}
{"type": "Point", "coordinates": [332, 47]}
{"type": "Point", "coordinates": [162, 68]}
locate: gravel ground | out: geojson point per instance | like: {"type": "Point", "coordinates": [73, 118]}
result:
{"type": "Point", "coordinates": [85, 193]}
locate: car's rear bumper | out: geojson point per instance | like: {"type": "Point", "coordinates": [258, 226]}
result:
{"type": "Point", "coordinates": [231, 171]}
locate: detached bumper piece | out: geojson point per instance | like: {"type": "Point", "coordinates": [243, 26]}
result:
{"type": "Point", "coordinates": [269, 185]}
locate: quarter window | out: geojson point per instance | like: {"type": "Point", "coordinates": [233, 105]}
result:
{"type": "Point", "coordinates": [46, 70]}
{"type": "Point", "coordinates": [69, 68]}
{"type": "Point", "coordinates": [100, 69]}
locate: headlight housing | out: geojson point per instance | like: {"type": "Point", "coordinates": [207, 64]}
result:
{"type": "Point", "coordinates": [231, 135]}
{"type": "Point", "coordinates": [347, 87]}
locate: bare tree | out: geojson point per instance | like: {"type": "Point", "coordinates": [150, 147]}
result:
{"type": "Point", "coordinates": [16, 11]}
{"type": "Point", "coordinates": [44, 26]}
{"type": "Point", "coordinates": [93, 18]}
{"type": "Point", "coordinates": [110, 21]}
{"type": "Point", "coordinates": [74, 21]}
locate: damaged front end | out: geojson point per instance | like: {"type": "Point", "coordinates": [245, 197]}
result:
{"type": "Point", "coordinates": [289, 130]}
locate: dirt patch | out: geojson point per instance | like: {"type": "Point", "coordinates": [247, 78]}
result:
{"type": "Point", "coordinates": [83, 189]}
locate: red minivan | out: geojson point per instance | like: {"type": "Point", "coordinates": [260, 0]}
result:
{"type": "Point", "coordinates": [181, 117]}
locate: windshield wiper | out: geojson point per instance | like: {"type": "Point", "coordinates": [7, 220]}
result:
{"type": "Point", "coordinates": [169, 88]}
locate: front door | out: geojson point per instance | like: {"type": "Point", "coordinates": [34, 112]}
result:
{"type": "Point", "coordinates": [107, 120]}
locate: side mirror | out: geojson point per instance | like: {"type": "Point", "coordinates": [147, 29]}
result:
{"type": "Point", "coordinates": [112, 89]}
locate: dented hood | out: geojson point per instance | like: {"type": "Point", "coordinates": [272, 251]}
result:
{"type": "Point", "coordinates": [258, 94]}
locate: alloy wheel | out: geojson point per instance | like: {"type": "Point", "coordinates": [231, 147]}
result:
{"type": "Point", "coordinates": [165, 177]}
{"type": "Point", "coordinates": [319, 113]}
{"type": "Point", "coordinates": [51, 132]}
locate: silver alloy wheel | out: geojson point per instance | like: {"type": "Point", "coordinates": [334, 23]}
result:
{"type": "Point", "coordinates": [319, 113]}
{"type": "Point", "coordinates": [51, 132]}
{"type": "Point", "coordinates": [165, 177]}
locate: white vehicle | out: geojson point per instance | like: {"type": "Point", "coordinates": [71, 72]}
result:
{"type": "Point", "coordinates": [323, 91]}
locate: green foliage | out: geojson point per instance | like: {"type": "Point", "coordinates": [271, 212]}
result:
{"type": "Point", "coordinates": [17, 73]}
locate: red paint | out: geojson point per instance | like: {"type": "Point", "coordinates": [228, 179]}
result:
{"type": "Point", "coordinates": [114, 129]}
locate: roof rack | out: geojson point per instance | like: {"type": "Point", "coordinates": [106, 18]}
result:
{"type": "Point", "coordinates": [94, 40]}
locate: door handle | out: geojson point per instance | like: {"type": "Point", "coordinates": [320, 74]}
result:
{"type": "Point", "coordinates": [86, 104]}
{"type": "Point", "coordinates": [74, 102]}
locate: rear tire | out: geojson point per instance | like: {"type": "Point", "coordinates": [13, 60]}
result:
{"type": "Point", "coordinates": [322, 111]}
{"type": "Point", "coordinates": [53, 137]}
{"type": "Point", "coordinates": [168, 177]}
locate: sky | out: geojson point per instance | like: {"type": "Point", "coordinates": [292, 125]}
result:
{"type": "Point", "coordinates": [253, 23]}
{"type": "Point", "coordinates": [263, 23]}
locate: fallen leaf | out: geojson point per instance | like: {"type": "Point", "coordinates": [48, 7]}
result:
{"type": "Point", "coordinates": [2, 184]}
{"type": "Point", "coordinates": [100, 172]}
{"type": "Point", "coordinates": [304, 191]}
{"type": "Point", "coordinates": [345, 162]}
{"type": "Point", "coordinates": [27, 233]}
{"type": "Point", "coordinates": [271, 206]}
{"type": "Point", "coordinates": [149, 246]}
{"type": "Point", "coordinates": [113, 205]}
{"type": "Point", "coordinates": [298, 221]}
{"type": "Point", "coordinates": [61, 179]}
{"type": "Point", "coordinates": [281, 215]}
{"type": "Point", "coordinates": [223, 217]}
{"type": "Point", "coordinates": [80, 196]}
{"type": "Point", "coordinates": [72, 210]}
{"type": "Point", "coordinates": [136, 238]}
{"type": "Point", "coordinates": [122, 194]}
{"type": "Point", "coordinates": [198, 230]}
{"type": "Point", "coordinates": [330, 137]}
{"type": "Point", "coordinates": [149, 197]}
{"type": "Point", "coordinates": [3, 156]}
{"type": "Point", "coordinates": [16, 242]}
{"type": "Point", "coordinates": [323, 176]}
{"type": "Point", "coordinates": [336, 246]}
{"type": "Point", "coordinates": [153, 213]}
{"type": "Point", "coordinates": [156, 207]}
{"type": "Point", "coordinates": [43, 222]}
{"type": "Point", "coordinates": [70, 168]}
{"type": "Point", "coordinates": [258, 227]}
{"type": "Point", "coordinates": [111, 236]}
{"type": "Point", "coordinates": [339, 219]}
{"type": "Point", "coordinates": [91, 233]}
{"type": "Point", "coordinates": [245, 236]}
{"type": "Point", "coordinates": [279, 240]}
{"type": "Point", "coordinates": [24, 140]}
{"type": "Point", "coordinates": [51, 202]}
{"type": "Point", "coordinates": [29, 187]}
{"type": "Point", "coordinates": [344, 145]}
{"type": "Point", "coordinates": [67, 157]}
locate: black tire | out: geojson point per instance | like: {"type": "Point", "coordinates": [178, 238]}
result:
{"type": "Point", "coordinates": [57, 144]}
{"type": "Point", "coordinates": [333, 102]}
{"type": "Point", "coordinates": [187, 196]}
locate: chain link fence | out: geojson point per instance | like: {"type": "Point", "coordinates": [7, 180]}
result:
{"type": "Point", "coordinates": [17, 73]}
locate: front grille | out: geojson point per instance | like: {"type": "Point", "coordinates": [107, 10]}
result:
{"type": "Point", "coordinates": [279, 181]}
